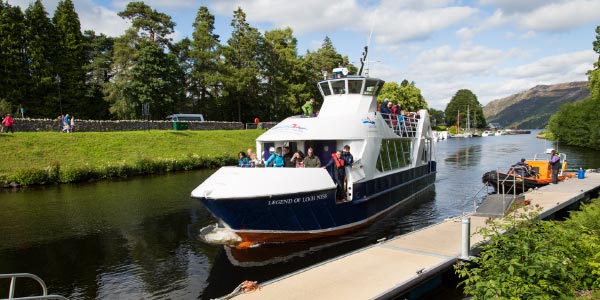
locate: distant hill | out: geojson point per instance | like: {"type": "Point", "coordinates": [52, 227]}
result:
{"type": "Point", "coordinates": [532, 109]}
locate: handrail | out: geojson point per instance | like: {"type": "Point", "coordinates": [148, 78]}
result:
{"type": "Point", "coordinates": [13, 278]}
{"type": "Point", "coordinates": [403, 125]}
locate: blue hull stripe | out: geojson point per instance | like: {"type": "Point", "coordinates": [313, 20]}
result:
{"type": "Point", "coordinates": [317, 211]}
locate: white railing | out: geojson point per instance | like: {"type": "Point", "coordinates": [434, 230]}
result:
{"type": "Point", "coordinates": [403, 125]}
{"type": "Point", "coordinates": [13, 282]}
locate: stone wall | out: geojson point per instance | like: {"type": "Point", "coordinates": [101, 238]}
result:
{"type": "Point", "coordinates": [122, 125]}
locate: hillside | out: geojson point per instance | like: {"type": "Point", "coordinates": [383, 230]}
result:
{"type": "Point", "coordinates": [532, 109]}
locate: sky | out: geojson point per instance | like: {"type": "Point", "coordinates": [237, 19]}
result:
{"type": "Point", "coordinates": [495, 48]}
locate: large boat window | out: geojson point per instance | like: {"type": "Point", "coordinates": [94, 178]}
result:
{"type": "Point", "coordinates": [393, 154]}
{"type": "Point", "coordinates": [354, 86]}
{"type": "Point", "coordinates": [338, 86]}
{"type": "Point", "coordinates": [325, 88]}
{"type": "Point", "coordinates": [371, 87]}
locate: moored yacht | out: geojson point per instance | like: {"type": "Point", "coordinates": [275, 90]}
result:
{"type": "Point", "coordinates": [393, 161]}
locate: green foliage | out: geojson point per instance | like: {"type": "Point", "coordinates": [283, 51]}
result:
{"type": "Point", "coordinates": [437, 117]}
{"type": "Point", "coordinates": [70, 59]}
{"type": "Point", "coordinates": [42, 158]}
{"type": "Point", "coordinates": [13, 73]}
{"type": "Point", "coordinates": [40, 37]}
{"type": "Point", "coordinates": [406, 94]}
{"type": "Point", "coordinates": [148, 22]}
{"type": "Point", "coordinates": [533, 259]}
{"type": "Point", "coordinates": [462, 101]}
{"type": "Point", "coordinates": [5, 108]}
{"type": "Point", "coordinates": [577, 124]}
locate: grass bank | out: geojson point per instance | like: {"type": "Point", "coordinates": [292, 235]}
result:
{"type": "Point", "coordinates": [50, 157]}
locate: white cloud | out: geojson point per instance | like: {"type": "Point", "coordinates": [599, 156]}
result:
{"type": "Point", "coordinates": [446, 62]}
{"type": "Point", "coordinates": [517, 6]}
{"type": "Point", "coordinates": [498, 18]}
{"type": "Point", "coordinates": [561, 16]}
{"type": "Point", "coordinates": [100, 19]}
{"type": "Point", "coordinates": [561, 67]}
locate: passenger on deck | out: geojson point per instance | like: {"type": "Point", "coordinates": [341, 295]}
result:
{"type": "Point", "coordinates": [298, 159]}
{"type": "Point", "coordinates": [252, 157]}
{"type": "Point", "coordinates": [347, 156]}
{"type": "Point", "coordinates": [308, 108]}
{"type": "Point", "coordinates": [336, 169]}
{"type": "Point", "coordinates": [287, 157]}
{"type": "Point", "coordinates": [311, 161]}
{"type": "Point", "coordinates": [384, 107]}
{"type": "Point", "coordinates": [243, 160]}
{"type": "Point", "coordinates": [275, 160]}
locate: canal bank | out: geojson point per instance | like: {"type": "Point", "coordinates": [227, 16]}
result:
{"type": "Point", "coordinates": [138, 237]}
{"type": "Point", "coordinates": [393, 268]}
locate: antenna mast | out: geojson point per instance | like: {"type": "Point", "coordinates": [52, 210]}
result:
{"type": "Point", "coordinates": [365, 53]}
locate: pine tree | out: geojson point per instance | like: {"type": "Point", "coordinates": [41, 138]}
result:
{"type": "Point", "coordinates": [98, 50]}
{"type": "Point", "coordinates": [284, 74]}
{"type": "Point", "coordinates": [242, 70]}
{"type": "Point", "coordinates": [13, 64]}
{"type": "Point", "coordinates": [41, 98]}
{"type": "Point", "coordinates": [71, 60]}
{"type": "Point", "coordinates": [204, 74]}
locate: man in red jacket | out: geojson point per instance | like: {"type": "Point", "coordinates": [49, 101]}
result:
{"type": "Point", "coordinates": [8, 123]}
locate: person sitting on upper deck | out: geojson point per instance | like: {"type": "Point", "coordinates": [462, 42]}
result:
{"type": "Point", "coordinates": [275, 160]}
{"type": "Point", "coordinates": [308, 108]}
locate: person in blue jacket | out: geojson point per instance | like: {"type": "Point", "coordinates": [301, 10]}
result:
{"type": "Point", "coordinates": [275, 160]}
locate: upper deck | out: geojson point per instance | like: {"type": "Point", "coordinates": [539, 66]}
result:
{"type": "Point", "coordinates": [349, 95]}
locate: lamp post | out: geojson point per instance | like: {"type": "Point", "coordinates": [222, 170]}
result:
{"type": "Point", "coordinates": [59, 99]}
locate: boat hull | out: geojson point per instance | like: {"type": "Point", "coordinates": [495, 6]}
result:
{"type": "Point", "coordinates": [520, 184]}
{"type": "Point", "coordinates": [315, 214]}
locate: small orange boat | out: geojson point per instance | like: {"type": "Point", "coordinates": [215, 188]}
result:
{"type": "Point", "coordinates": [534, 173]}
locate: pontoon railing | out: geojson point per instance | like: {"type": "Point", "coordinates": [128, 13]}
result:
{"type": "Point", "coordinates": [13, 282]}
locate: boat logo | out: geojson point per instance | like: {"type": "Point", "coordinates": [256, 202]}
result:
{"type": "Point", "coordinates": [368, 120]}
{"type": "Point", "coordinates": [292, 127]}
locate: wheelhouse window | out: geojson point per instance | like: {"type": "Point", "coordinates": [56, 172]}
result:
{"type": "Point", "coordinates": [372, 87]}
{"type": "Point", "coordinates": [338, 87]}
{"type": "Point", "coordinates": [325, 88]}
{"type": "Point", "coordinates": [354, 86]}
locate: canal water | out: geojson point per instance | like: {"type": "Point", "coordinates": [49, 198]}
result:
{"type": "Point", "coordinates": [137, 238]}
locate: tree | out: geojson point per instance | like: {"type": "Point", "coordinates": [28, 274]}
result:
{"type": "Point", "coordinates": [149, 23]}
{"type": "Point", "coordinates": [132, 65]}
{"type": "Point", "coordinates": [98, 51]}
{"type": "Point", "coordinates": [407, 95]}
{"type": "Point", "coordinates": [154, 80]}
{"type": "Point", "coordinates": [69, 63]}
{"type": "Point", "coordinates": [284, 74]}
{"type": "Point", "coordinates": [578, 124]}
{"type": "Point", "coordinates": [204, 74]}
{"type": "Point", "coordinates": [242, 70]}
{"type": "Point", "coordinates": [462, 101]}
{"type": "Point", "coordinates": [13, 63]}
{"type": "Point", "coordinates": [594, 75]}
{"type": "Point", "coordinates": [41, 98]}
{"type": "Point", "coordinates": [437, 117]}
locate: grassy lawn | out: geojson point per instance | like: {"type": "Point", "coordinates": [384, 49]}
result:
{"type": "Point", "coordinates": [38, 150]}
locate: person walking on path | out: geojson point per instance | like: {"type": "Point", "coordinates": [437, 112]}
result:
{"type": "Point", "coordinates": [309, 108]}
{"type": "Point", "coordinates": [8, 124]}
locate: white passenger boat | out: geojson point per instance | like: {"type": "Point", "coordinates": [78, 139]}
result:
{"type": "Point", "coordinates": [393, 161]}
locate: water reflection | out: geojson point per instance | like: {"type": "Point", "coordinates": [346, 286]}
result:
{"type": "Point", "coordinates": [137, 238]}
